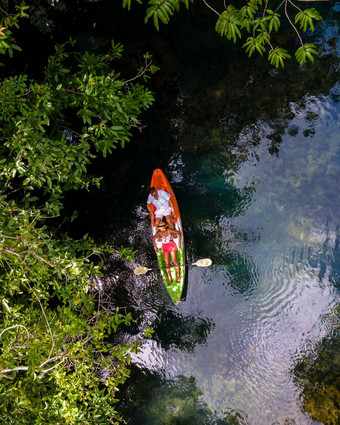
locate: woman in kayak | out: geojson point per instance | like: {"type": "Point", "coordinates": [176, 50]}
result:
{"type": "Point", "coordinates": [164, 208]}
{"type": "Point", "coordinates": [166, 236]}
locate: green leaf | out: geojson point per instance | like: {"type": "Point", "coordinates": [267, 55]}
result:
{"type": "Point", "coordinates": [160, 10]}
{"type": "Point", "coordinates": [307, 51]}
{"type": "Point", "coordinates": [249, 10]}
{"type": "Point", "coordinates": [306, 17]}
{"type": "Point", "coordinates": [228, 24]}
{"type": "Point", "coordinates": [273, 20]}
{"type": "Point", "coordinates": [277, 56]}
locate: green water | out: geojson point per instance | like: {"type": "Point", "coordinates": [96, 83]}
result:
{"type": "Point", "coordinates": [253, 156]}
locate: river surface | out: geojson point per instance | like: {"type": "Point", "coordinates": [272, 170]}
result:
{"type": "Point", "coordinates": [253, 155]}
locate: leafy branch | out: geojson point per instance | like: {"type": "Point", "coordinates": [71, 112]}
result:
{"type": "Point", "coordinates": [143, 71]}
{"type": "Point", "coordinates": [39, 369]}
{"type": "Point", "coordinates": [255, 20]}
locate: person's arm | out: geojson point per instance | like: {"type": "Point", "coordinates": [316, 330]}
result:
{"type": "Point", "coordinates": [172, 207]}
{"type": "Point", "coordinates": [152, 215]}
{"type": "Point", "coordinates": [154, 242]}
{"type": "Point", "coordinates": [179, 235]}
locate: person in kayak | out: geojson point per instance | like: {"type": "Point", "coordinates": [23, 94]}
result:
{"type": "Point", "coordinates": [169, 247]}
{"type": "Point", "coordinates": [164, 207]}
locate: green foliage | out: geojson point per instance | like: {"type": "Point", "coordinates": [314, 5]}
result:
{"type": "Point", "coordinates": [273, 20]}
{"type": "Point", "coordinates": [277, 56]}
{"type": "Point", "coordinates": [7, 42]}
{"type": "Point", "coordinates": [305, 17]}
{"type": "Point", "coordinates": [249, 11]}
{"type": "Point", "coordinates": [127, 3]}
{"type": "Point", "coordinates": [305, 52]}
{"type": "Point", "coordinates": [228, 23]}
{"type": "Point", "coordinates": [12, 11]}
{"type": "Point", "coordinates": [10, 16]}
{"type": "Point", "coordinates": [160, 10]}
{"type": "Point", "coordinates": [59, 363]}
{"type": "Point", "coordinates": [253, 44]}
{"type": "Point", "coordinates": [56, 126]}
{"type": "Point", "coordinates": [255, 20]}
{"type": "Point", "coordinates": [127, 253]}
{"type": "Point", "coordinates": [148, 332]}
{"type": "Point", "coordinates": [56, 363]}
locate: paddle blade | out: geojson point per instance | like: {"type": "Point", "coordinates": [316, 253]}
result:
{"type": "Point", "coordinates": [204, 262]}
{"type": "Point", "coordinates": [141, 270]}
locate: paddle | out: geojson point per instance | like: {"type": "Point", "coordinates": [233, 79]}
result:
{"type": "Point", "coordinates": [203, 262]}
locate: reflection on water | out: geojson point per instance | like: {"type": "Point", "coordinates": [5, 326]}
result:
{"type": "Point", "coordinates": [177, 401]}
{"type": "Point", "coordinates": [318, 376]}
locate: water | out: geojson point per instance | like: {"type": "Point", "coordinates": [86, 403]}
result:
{"type": "Point", "coordinates": [254, 159]}
{"type": "Point", "coordinates": [270, 296]}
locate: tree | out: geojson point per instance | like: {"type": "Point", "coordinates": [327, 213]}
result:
{"type": "Point", "coordinates": [58, 362]}
{"type": "Point", "coordinates": [258, 20]}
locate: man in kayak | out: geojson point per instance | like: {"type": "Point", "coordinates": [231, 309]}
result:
{"type": "Point", "coordinates": [166, 236]}
{"type": "Point", "coordinates": [164, 208]}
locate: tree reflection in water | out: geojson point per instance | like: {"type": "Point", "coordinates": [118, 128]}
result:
{"type": "Point", "coordinates": [167, 402]}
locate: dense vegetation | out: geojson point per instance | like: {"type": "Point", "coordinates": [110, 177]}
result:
{"type": "Point", "coordinates": [57, 363]}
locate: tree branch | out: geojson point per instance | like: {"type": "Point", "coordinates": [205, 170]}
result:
{"type": "Point", "coordinates": [204, 1]}
{"type": "Point", "coordinates": [29, 251]}
{"type": "Point", "coordinates": [140, 73]}
{"type": "Point", "coordinates": [15, 326]}
{"type": "Point", "coordinates": [48, 325]}
{"type": "Point", "coordinates": [25, 368]}
{"type": "Point", "coordinates": [291, 23]}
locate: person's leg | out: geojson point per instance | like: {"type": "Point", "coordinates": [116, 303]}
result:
{"type": "Point", "coordinates": [174, 260]}
{"type": "Point", "coordinates": [167, 265]}
{"type": "Point", "coordinates": [157, 220]}
{"type": "Point", "coordinates": [170, 222]}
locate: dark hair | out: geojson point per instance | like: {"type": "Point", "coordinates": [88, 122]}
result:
{"type": "Point", "coordinates": [152, 190]}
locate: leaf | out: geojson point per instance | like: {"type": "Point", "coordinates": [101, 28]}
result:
{"type": "Point", "coordinates": [307, 51]}
{"type": "Point", "coordinates": [256, 43]}
{"type": "Point", "coordinates": [305, 17]}
{"type": "Point", "coordinates": [277, 56]}
{"type": "Point", "coordinates": [273, 20]}
{"type": "Point", "coordinates": [249, 10]}
{"type": "Point", "coordinates": [160, 10]}
{"type": "Point", "coordinates": [228, 24]}
{"type": "Point", "coordinates": [15, 47]}
{"type": "Point", "coordinates": [127, 4]}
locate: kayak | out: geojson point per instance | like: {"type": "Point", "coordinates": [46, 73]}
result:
{"type": "Point", "coordinates": [175, 289]}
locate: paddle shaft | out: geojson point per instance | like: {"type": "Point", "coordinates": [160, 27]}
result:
{"type": "Point", "coordinates": [178, 265]}
{"type": "Point", "coordinates": [204, 262]}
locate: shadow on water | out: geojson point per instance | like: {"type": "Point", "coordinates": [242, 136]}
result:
{"type": "Point", "coordinates": [168, 402]}
{"type": "Point", "coordinates": [181, 332]}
